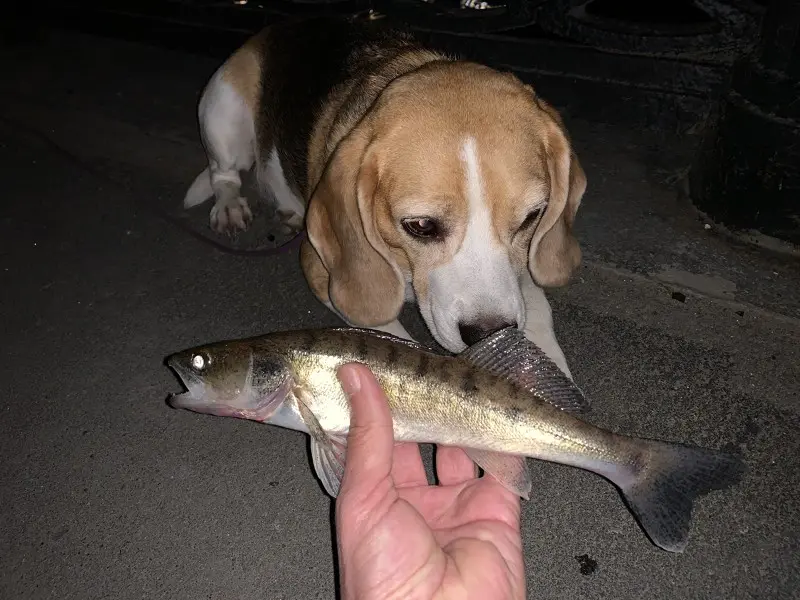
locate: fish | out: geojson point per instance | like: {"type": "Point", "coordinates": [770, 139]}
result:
{"type": "Point", "coordinates": [502, 400]}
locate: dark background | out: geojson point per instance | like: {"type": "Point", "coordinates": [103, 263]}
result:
{"type": "Point", "coordinates": [726, 67]}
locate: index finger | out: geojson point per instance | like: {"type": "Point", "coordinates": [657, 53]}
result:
{"type": "Point", "coordinates": [407, 467]}
{"type": "Point", "coordinates": [453, 466]}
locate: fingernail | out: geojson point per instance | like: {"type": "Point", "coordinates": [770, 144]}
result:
{"type": "Point", "coordinates": [350, 379]}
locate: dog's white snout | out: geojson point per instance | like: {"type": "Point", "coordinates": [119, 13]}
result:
{"type": "Point", "coordinates": [477, 291]}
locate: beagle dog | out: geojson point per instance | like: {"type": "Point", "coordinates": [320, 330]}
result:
{"type": "Point", "coordinates": [418, 177]}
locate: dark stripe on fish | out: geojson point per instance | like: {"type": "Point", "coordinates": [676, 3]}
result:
{"type": "Point", "coordinates": [468, 385]}
{"type": "Point", "coordinates": [308, 342]}
{"type": "Point", "coordinates": [514, 412]}
{"type": "Point", "coordinates": [423, 365]}
{"type": "Point", "coordinates": [391, 356]}
{"type": "Point", "coordinates": [362, 348]}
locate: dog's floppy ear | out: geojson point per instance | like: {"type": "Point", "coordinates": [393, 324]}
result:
{"type": "Point", "coordinates": [554, 252]}
{"type": "Point", "coordinates": [365, 285]}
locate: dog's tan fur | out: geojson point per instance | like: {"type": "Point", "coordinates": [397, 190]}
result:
{"type": "Point", "coordinates": [388, 144]}
{"type": "Point", "coordinates": [361, 256]}
{"type": "Point", "coordinates": [243, 71]}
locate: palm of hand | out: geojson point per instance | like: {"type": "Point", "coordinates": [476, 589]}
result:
{"type": "Point", "coordinates": [406, 539]}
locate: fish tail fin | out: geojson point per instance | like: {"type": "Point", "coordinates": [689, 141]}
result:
{"type": "Point", "coordinates": [660, 490]}
{"type": "Point", "coordinates": [199, 191]}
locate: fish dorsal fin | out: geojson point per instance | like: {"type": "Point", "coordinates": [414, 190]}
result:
{"type": "Point", "coordinates": [509, 354]}
{"type": "Point", "coordinates": [381, 335]}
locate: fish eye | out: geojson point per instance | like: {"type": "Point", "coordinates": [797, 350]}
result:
{"type": "Point", "coordinates": [421, 227]}
{"type": "Point", "coordinates": [199, 362]}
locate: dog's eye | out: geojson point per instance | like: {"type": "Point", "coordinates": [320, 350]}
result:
{"type": "Point", "coordinates": [421, 227]}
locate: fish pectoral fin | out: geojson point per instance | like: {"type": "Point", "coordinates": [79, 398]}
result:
{"type": "Point", "coordinates": [328, 452]}
{"type": "Point", "coordinates": [509, 469]}
{"type": "Point", "coordinates": [328, 461]}
{"type": "Point", "coordinates": [509, 354]}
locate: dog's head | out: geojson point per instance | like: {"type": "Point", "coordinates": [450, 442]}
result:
{"type": "Point", "coordinates": [458, 181]}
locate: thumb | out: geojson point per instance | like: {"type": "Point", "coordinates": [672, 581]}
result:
{"type": "Point", "coordinates": [370, 442]}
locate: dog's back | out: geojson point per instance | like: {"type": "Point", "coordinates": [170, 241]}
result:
{"type": "Point", "coordinates": [304, 62]}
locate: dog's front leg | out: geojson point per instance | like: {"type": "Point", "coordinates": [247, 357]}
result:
{"type": "Point", "coordinates": [228, 132]}
{"type": "Point", "coordinates": [395, 328]}
{"type": "Point", "coordinates": [539, 323]}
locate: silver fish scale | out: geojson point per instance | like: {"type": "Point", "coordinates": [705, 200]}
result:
{"type": "Point", "coordinates": [509, 354]}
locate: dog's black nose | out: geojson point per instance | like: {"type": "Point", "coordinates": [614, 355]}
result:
{"type": "Point", "coordinates": [474, 331]}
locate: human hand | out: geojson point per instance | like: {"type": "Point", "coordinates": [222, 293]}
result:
{"type": "Point", "coordinates": [398, 536]}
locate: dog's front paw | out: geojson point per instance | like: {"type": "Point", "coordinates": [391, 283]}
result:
{"type": "Point", "coordinates": [479, 4]}
{"type": "Point", "coordinates": [231, 215]}
{"type": "Point", "coordinates": [291, 221]}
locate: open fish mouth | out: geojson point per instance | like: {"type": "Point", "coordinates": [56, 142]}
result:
{"type": "Point", "coordinates": [187, 400]}
{"type": "Point", "coordinates": [195, 395]}
{"type": "Point", "coordinates": [243, 406]}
